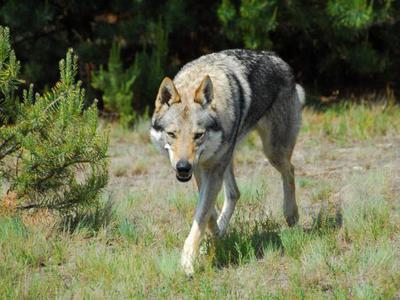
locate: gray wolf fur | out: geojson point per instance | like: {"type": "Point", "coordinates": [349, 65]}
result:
{"type": "Point", "coordinates": [207, 109]}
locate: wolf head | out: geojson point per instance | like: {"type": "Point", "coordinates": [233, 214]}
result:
{"type": "Point", "coordinates": [185, 126]}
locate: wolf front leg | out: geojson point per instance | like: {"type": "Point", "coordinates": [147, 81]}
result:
{"type": "Point", "coordinates": [212, 225]}
{"type": "Point", "coordinates": [211, 183]}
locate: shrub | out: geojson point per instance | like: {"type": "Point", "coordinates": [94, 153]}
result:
{"type": "Point", "coordinates": [9, 69]}
{"type": "Point", "coordinates": [52, 156]}
{"type": "Point", "coordinates": [343, 37]}
{"type": "Point", "coordinates": [139, 81]}
{"type": "Point", "coordinates": [251, 23]}
{"type": "Point", "coordinates": [154, 63]}
{"type": "Point", "coordinates": [116, 85]}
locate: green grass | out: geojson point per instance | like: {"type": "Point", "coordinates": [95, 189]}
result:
{"type": "Point", "coordinates": [347, 244]}
{"type": "Point", "coordinates": [353, 122]}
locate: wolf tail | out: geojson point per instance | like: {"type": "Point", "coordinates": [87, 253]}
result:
{"type": "Point", "coordinates": [301, 95]}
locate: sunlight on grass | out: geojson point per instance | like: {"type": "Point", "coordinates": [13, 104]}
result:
{"type": "Point", "coordinates": [347, 244]}
{"type": "Point", "coordinates": [352, 122]}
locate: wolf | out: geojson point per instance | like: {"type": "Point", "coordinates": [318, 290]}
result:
{"type": "Point", "coordinates": [201, 115]}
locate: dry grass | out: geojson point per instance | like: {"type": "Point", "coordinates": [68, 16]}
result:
{"type": "Point", "coordinates": [347, 244]}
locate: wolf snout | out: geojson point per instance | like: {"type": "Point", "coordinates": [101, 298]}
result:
{"type": "Point", "coordinates": [183, 170]}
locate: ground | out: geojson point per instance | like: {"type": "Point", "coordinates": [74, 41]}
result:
{"type": "Point", "coordinates": [347, 244]}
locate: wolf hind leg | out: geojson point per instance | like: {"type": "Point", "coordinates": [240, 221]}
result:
{"type": "Point", "coordinates": [212, 226]}
{"type": "Point", "coordinates": [218, 223]}
{"type": "Point", "coordinates": [278, 144]}
{"type": "Point", "coordinates": [231, 195]}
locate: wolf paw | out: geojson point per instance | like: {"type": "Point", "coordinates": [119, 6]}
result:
{"type": "Point", "coordinates": [292, 220]}
{"type": "Point", "coordinates": [222, 227]}
{"type": "Point", "coordinates": [187, 261]}
{"type": "Point", "coordinates": [187, 266]}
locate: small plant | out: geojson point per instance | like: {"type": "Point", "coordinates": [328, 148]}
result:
{"type": "Point", "coordinates": [9, 70]}
{"type": "Point", "coordinates": [128, 230]}
{"type": "Point", "coordinates": [117, 86]}
{"type": "Point", "coordinates": [52, 156]}
{"type": "Point", "coordinates": [293, 241]}
{"type": "Point", "coordinates": [153, 63]}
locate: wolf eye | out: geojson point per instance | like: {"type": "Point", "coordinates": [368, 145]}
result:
{"type": "Point", "coordinates": [198, 135]}
{"type": "Point", "coordinates": [171, 134]}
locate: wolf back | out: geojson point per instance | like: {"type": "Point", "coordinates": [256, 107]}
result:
{"type": "Point", "coordinates": [241, 78]}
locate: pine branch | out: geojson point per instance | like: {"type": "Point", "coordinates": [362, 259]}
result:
{"type": "Point", "coordinates": [52, 139]}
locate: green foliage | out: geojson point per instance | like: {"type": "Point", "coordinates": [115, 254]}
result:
{"type": "Point", "coordinates": [351, 22]}
{"type": "Point", "coordinates": [365, 59]}
{"type": "Point", "coordinates": [153, 62]}
{"type": "Point", "coordinates": [53, 157]}
{"type": "Point", "coordinates": [43, 30]}
{"type": "Point", "coordinates": [331, 45]}
{"type": "Point", "coordinates": [117, 86]}
{"type": "Point", "coordinates": [342, 36]}
{"type": "Point", "coordinates": [252, 22]}
{"type": "Point", "coordinates": [355, 14]}
{"type": "Point", "coordinates": [9, 71]}
{"type": "Point", "coordinates": [139, 81]}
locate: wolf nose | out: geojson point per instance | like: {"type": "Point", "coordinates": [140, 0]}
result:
{"type": "Point", "coordinates": [183, 166]}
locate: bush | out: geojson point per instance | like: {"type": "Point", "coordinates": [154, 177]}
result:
{"type": "Point", "coordinates": [44, 30]}
{"type": "Point", "coordinates": [52, 156]}
{"type": "Point", "coordinates": [342, 37]}
{"type": "Point", "coordinates": [153, 63]}
{"type": "Point", "coordinates": [251, 23]}
{"type": "Point", "coordinates": [122, 89]}
{"type": "Point", "coordinates": [9, 69]}
{"type": "Point", "coordinates": [116, 85]}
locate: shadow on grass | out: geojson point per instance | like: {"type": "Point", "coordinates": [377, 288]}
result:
{"type": "Point", "coordinates": [89, 218]}
{"type": "Point", "coordinates": [247, 240]}
{"type": "Point", "coordinates": [327, 219]}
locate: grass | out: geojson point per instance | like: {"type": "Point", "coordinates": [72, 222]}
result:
{"type": "Point", "coordinates": [347, 244]}
{"type": "Point", "coordinates": [352, 122]}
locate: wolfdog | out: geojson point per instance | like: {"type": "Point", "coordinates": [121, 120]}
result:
{"type": "Point", "coordinates": [206, 110]}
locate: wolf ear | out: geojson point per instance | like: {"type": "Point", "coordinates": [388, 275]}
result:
{"type": "Point", "coordinates": [167, 94]}
{"type": "Point", "coordinates": [205, 92]}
